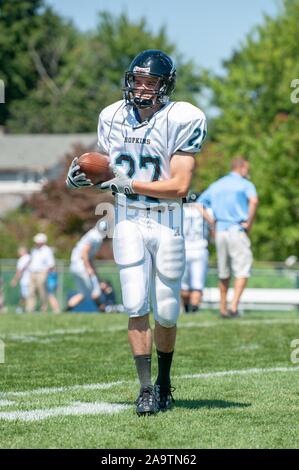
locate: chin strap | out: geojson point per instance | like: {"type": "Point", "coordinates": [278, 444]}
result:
{"type": "Point", "coordinates": [140, 103]}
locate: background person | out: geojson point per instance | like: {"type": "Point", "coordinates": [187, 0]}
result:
{"type": "Point", "coordinates": [233, 200]}
{"type": "Point", "coordinates": [82, 266]}
{"type": "Point", "coordinates": [22, 275]}
{"type": "Point", "coordinates": [52, 285]}
{"type": "Point", "coordinates": [196, 233]}
{"type": "Point", "coordinates": [41, 262]}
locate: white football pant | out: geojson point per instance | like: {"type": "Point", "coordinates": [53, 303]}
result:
{"type": "Point", "coordinates": [196, 268]}
{"type": "Point", "coordinates": [151, 259]}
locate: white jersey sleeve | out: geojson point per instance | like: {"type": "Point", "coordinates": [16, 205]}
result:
{"type": "Point", "coordinates": [187, 128]}
{"type": "Point", "coordinates": [104, 125]}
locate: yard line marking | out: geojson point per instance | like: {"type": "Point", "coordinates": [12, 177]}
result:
{"type": "Point", "coordinates": [65, 389]}
{"type": "Point", "coordinates": [7, 402]}
{"type": "Point", "coordinates": [242, 322]}
{"type": "Point", "coordinates": [31, 336]}
{"type": "Point", "coordinates": [103, 386]}
{"type": "Point", "coordinates": [74, 409]}
{"type": "Point", "coordinates": [224, 373]}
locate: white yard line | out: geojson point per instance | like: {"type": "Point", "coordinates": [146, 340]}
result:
{"type": "Point", "coordinates": [242, 322]}
{"type": "Point", "coordinates": [104, 386]}
{"type": "Point", "coordinates": [54, 390]}
{"type": "Point", "coordinates": [225, 373]}
{"type": "Point", "coordinates": [6, 402]}
{"type": "Point", "coordinates": [79, 408]}
{"type": "Point", "coordinates": [74, 409]}
{"type": "Point", "coordinates": [34, 335]}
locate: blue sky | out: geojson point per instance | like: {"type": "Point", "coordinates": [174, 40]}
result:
{"type": "Point", "coordinates": [204, 31]}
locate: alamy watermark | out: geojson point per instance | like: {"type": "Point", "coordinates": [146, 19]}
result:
{"type": "Point", "coordinates": [295, 352]}
{"type": "Point", "coordinates": [295, 94]}
{"type": "Point", "coordinates": [162, 215]}
{"type": "Point", "coordinates": [2, 352]}
{"type": "Point", "coordinates": [2, 92]}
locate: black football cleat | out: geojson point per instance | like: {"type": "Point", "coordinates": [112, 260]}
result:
{"type": "Point", "coordinates": [146, 403]}
{"type": "Point", "coordinates": [234, 314]}
{"type": "Point", "coordinates": [164, 397]}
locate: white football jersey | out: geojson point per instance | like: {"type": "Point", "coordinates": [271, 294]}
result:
{"type": "Point", "coordinates": [196, 229]}
{"type": "Point", "coordinates": [144, 150]}
{"type": "Point", "coordinates": [93, 238]}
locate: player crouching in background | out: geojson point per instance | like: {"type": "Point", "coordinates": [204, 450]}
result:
{"type": "Point", "coordinates": [83, 269]}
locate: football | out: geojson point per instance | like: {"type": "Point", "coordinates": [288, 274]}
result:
{"type": "Point", "coordinates": [96, 167]}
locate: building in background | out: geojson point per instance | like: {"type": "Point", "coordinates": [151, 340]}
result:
{"type": "Point", "coordinates": [29, 161]}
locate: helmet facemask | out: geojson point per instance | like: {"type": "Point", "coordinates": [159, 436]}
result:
{"type": "Point", "coordinates": [134, 95]}
{"type": "Point", "coordinates": [151, 64]}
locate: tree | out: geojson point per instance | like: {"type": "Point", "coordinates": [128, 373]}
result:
{"type": "Point", "coordinates": [75, 75]}
{"type": "Point", "coordinates": [17, 21]}
{"type": "Point", "coordinates": [258, 119]}
{"type": "Point", "coordinates": [33, 45]}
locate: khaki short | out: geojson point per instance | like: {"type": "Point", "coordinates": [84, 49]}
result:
{"type": "Point", "coordinates": [233, 253]}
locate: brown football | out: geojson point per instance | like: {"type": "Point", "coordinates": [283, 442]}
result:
{"type": "Point", "coordinates": [96, 167]}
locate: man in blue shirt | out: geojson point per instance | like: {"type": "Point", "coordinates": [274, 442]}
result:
{"type": "Point", "coordinates": [233, 200]}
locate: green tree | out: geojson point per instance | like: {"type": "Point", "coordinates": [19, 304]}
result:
{"type": "Point", "coordinates": [258, 119]}
{"type": "Point", "coordinates": [79, 74]}
{"type": "Point", "coordinates": [17, 21]}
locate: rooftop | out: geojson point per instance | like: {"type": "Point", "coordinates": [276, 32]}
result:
{"type": "Point", "coordinates": [39, 151]}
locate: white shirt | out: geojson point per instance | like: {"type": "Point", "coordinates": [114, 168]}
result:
{"type": "Point", "coordinates": [94, 239]}
{"type": "Point", "coordinates": [23, 266]}
{"type": "Point", "coordinates": [143, 150]}
{"type": "Point", "coordinates": [42, 259]}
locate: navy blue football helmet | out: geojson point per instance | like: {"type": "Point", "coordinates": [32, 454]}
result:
{"type": "Point", "coordinates": [150, 63]}
{"type": "Point", "coordinates": [192, 196]}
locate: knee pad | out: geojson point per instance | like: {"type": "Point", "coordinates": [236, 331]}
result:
{"type": "Point", "coordinates": [135, 297]}
{"type": "Point", "coordinates": [167, 323]}
{"type": "Point", "coordinates": [167, 302]}
{"type": "Point", "coordinates": [128, 246]}
{"type": "Point", "coordinates": [170, 259]}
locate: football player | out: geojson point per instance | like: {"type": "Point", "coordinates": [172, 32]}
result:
{"type": "Point", "coordinates": [82, 267]}
{"type": "Point", "coordinates": [151, 142]}
{"type": "Point", "coordinates": [196, 234]}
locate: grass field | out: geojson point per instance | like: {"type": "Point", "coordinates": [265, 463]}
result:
{"type": "Point", "coordinates": [69, 382]}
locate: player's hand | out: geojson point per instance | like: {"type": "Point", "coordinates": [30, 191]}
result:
{"type": "Point", "coordinates": [120, 184]}
{"type": "Point", "coordinates": [246, 226]}
{"type": "Point", "coordinates": [75, 178]}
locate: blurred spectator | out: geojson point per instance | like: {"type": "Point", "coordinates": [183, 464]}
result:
{"type": "Point", "coordinates": [22, 276]}
{"type": "Point", "coordinates": [82, 259]}
{"type": "Point", "coordinates": [233, 200]}
{"type": "Point", "coordinates": [52, 285]}
{"type": "Point", "coordinates": [196, 234]}
{"type": "Point", "coordinates": [42, 261]}
{"type": "Point", "coordinates": [2, 306]}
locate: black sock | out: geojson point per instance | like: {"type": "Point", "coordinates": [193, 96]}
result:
{"type": "Point", "coordinates": [143, 364]}
{"type": "Point", "coordinates": [164, 365]}
{"type": "Point", "coordinates": [194, 308]}
{"type": "Point", "coordinates": [186, 307]}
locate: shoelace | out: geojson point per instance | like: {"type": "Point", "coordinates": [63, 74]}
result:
{"type": "Point", "coordinates": [146, 393]}
{"type": "Point", "coordinates": [166, 392]}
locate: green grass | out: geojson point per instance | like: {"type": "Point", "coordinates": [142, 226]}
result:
{"type": "Point", "coordinates": [251, 410]}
